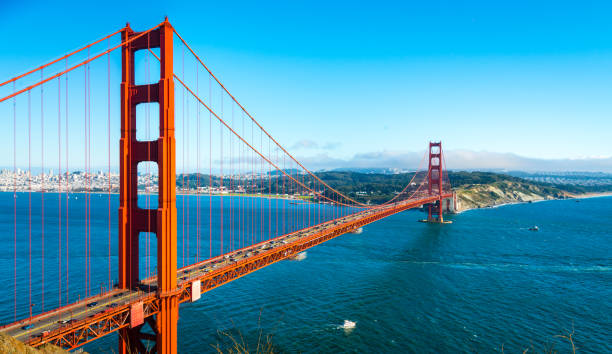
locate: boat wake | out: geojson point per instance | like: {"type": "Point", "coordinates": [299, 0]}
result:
{"type": "Point", "coordinates": [516, 267]}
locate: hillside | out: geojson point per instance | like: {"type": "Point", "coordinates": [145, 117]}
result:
{"type": "Point", "coordinates": [504, 192]}
{"type": "Point", "coordinates": [474, 189]}
{"type": "Point", "coordinates": [11, 345]}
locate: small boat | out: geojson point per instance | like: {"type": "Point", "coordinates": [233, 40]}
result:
{"type": "Point", "coordinates": [348, 326]}
{"type": "Point", "coordinates": [534, 228]}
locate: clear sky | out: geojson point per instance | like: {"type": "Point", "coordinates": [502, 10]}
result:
{"type": "Point", "coordinates": [343, 78]}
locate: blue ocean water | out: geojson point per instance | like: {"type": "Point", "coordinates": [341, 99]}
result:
{"type": "Point", "coordinates": [476, 285]}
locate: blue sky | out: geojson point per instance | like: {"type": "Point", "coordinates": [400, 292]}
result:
{"type": "Point", "coordinates": [336, 80]}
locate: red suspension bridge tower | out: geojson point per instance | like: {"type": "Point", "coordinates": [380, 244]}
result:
{"type": "Point", "coordinates": [435, 182]}
{"type": "Point", "coordinates": [161, 221]}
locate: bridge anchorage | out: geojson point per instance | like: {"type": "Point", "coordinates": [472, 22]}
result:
{"type": "Point", "coordinates": [253, 206]}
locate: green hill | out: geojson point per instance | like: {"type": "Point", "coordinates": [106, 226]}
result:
{"type": "Point", "coordinates": [474, 189]}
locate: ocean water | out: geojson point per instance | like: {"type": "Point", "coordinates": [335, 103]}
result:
{"type": "Point", "coordinates": [483, 282]}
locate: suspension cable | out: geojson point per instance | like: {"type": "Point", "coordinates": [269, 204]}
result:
{"type": "Point", "coordinates": [259, 125]}
{"type": "Point", "coordinates": [79, 64]}
{"type": "Point", "coordinates": [60, 59]}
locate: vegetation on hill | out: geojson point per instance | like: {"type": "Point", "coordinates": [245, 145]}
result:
{"type": "Point", "coordinates": [474, 189]}
{"type": "Point", "coordinates": [374, 188]}
{"type": "Point", "coordinates": [11, 345]}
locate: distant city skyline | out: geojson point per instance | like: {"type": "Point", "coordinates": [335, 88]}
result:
{"type": "Point", "coordinates": [520, 86]}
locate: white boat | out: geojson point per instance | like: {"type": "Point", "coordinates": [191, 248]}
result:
{"type": "Point", "coordinates": [299, 257]}
{"type": "Point", "coordinates": [348, 326]}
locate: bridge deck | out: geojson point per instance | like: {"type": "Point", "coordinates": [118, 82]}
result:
{"type": "Point", "coordinates": [76, 324]}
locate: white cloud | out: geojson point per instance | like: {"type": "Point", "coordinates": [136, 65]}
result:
{"type": "Point", "coordinates": [460, 159]}
{"type": "Point", "coordinates": [331, 145]}
{"type": "Point", "coordinates": [305, 144]}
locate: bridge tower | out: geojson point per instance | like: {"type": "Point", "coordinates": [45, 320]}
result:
{"type": "Point", "coordinates": [161, 221]}
{"type": "Point", "coordinates": [435, 182]}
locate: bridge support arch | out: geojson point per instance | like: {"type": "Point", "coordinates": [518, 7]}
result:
{"type": "Point", "coordinates": [132, 219]}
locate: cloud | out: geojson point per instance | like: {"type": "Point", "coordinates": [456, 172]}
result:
{"type": "Point", "coordinates": [460, 160]}
{"type": "Point", "coordinates": [465, 159]}
{"type": "Point", "coordinates": [305, 144]}
{"type": "Point", "coordinates": [366, 160]}
{"type": "Point", "coordinates": [311, 144]}
{"type": "Point", "coordinates": [332, 145]}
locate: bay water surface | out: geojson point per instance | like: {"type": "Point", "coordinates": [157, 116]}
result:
{"type": "Point", "coordinates": [483, 282]}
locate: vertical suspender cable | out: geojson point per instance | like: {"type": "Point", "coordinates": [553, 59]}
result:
{"type": "Point", "coordinates": [188, 175]}
{"type": "Point", "coordinates": [88, 179]}
{"type": "Point", "coordinates": [89, 131]}
{"type": "Point", "coordinates": [197, 172]}
{"type": "Point", "coordinates": [108, 107]}
{"type": "Point", "coordinates": [269, 192]}
{"type": "Point", "coordinates": [249, 202]}
{"type": "Point", "coordinates": [261, 190]}
{"type": "Point", "coordinates": [245, 201]}
{"type": "Point", "coordinates": [188, 192]}
{"type": "Point", "coordinates": [243, 159]}
{"type": "Point", "coordinates": [231, 201]}
{"type": "Point", "coordinates": [210, 171]}
{"type": "Point", "coordinates": [30, 200]}
{"type": "Point", "coordinates": [85, 159]}
{"type": "Point", "coordinates": [42, 194]}
{"type": "Point", "coordinates": [252, 220]}
{"type": "Point", "coordinates": [15, 204]}
{"type": "Point", "coordinates": [59, 194]}
{"type": "Point", "coordinates": [284, 220]}
{"type": "Point", "coordinates": [277, 177]}
{"type": "Point", "coordinates": [183, 161]}
{"type": "Point", "coordinates": [221, 175]}
{"type": "Point", "coordinates": [67, 188]}
{"type": "Point", "coordinates": [240, 184]}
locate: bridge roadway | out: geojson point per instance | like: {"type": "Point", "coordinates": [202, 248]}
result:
{"type": "Point", "coordinates": [79, 323]}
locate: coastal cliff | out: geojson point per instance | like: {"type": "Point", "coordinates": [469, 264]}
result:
{"type": "Point", "coordinates": [474, 196]}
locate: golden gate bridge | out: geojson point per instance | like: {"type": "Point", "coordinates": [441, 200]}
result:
{"type": "Point", "coordinates": [80, 269]}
